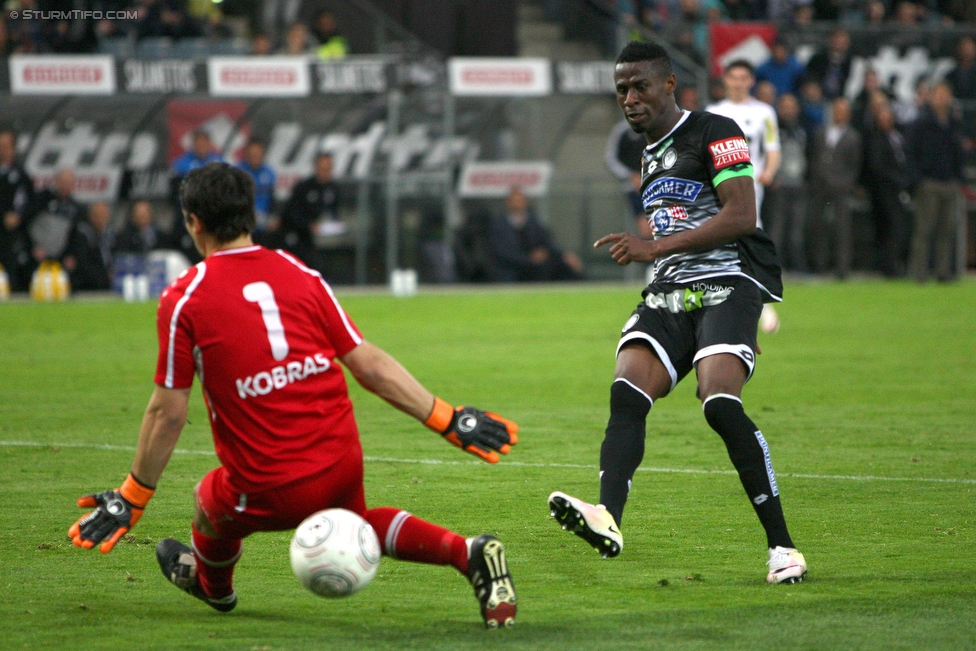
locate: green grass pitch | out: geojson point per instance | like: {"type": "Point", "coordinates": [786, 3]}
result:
{"type": "Point", "coordinates": [867, 397]}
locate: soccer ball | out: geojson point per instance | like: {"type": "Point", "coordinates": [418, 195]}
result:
{"type": "Point", "coordinates": [335, 553]}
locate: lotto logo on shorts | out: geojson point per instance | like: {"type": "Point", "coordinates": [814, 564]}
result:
{"type": "Point", "coordinates": [729, 152]}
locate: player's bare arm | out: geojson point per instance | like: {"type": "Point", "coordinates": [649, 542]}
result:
{"type": "Point", "coordinates": [117, 511]}
{"type": "Point", "coordinates": [378, 372]}
{"type": "Point", "coordinates": [773, 159]}
{"type": "Point", "coordinates": [482, 434]}
{"type": "Point", "coordinates": [161, 427]}
{"type": "Point", "coordinates": [736, 219]}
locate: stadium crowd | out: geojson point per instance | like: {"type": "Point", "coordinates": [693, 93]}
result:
{"type": "Point", "coordinates": [202, 27]}
{"type": "Point", "coordinates": [52, 225]}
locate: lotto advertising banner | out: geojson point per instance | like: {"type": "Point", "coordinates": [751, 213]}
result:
{"type": "Point", "coordinates": [122, 147]}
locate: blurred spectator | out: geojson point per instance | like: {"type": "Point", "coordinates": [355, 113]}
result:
{"type": "Point", "coordinates": [802, 15]}
{"type": "Point", "coordinates": [297, 41]}
{"type": "Point", "coordinates": [331, 44]}
{"type": "Point", "coordinates": [716, 91]}
{"type": "Point", "coordinates": [16, 193]}
{"type": "Point", "coordinates": [140, 235]}
{"type": "Point", "coordinates": [781, 69]}
{"type": "Point", "coordinates": [523, 249]}
{"type": "Point", "coordinates": [687, 98]}
{"type": "Point", "coordinates": [935, 156]}
{"type": "Point", "coordinates": [52, 216]}
{"type": "Point", "coordinates": [166, 19]}
{"type": "Point", "coordinates": [27, 35]}
{"type": "Point", "coordinates": [831, 67]}
{"type": "Point", "coordinates": [201, 153]}
{"type": "Point", "coordinates": [962, 78]}
{"type": "Point", "coordinates": [906, 113]}
{"type": "Point", "coordinates": [75, 36]}
{"type": "Point", "coordinates": [745, 9]}
{"type": "Point", "coordinates": [766, 93]}
{"type": "Point", "coordinates": [786, 204]}
{"type": "Point", "coordinates": [261, 45]}
{"type": "Point", "coordinates": [6, 40]}
{"type": "Point", "coordinates": [15, 252]}
{"type": "Point", "coordinates": [836, 153]}
{"type": "Point", "coordinates": [828, 10]}
{"type": "Point", "coordinates": [16, 187]}
{"type": "Point", "coordinates": [860, 12]}
{"type": "Point", "coordinates": [863, 106]}
{"type": "Point", "coordinates": [276, 16]}
{"type": "Point", "coordinates": [695, 16]}
{"type": "Point", "coordinates": [906, 14]}
{"type": "Point", "coordinates": [312, 200]}
{"type": "Point", "coordinates": [812, 106]}
{"type": "Point", "coordinates": [684, 43]}
{"type": "Point", "coordinates": [963, 11]}
{"type": "Point", "coordinates": [91, 250]}
{"type": "Point", "coordinates": [264, 186]}
{"type": "Point", "coordinates": [887, 180]}
{"type": "Point", "coordinates": [622, 155]}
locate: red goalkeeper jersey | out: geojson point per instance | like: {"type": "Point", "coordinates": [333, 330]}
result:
{"type": "Point", "coordinates": [262, 332]}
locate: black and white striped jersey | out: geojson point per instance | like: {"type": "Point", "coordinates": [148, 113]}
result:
{"type": "Point", "coordinates": [679, 175]}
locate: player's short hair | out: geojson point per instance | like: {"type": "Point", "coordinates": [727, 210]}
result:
{"type": "Point", "coordinates": [222, 197]}
{"type": "Point", "coordinates": [741, 63]}
{"type": "Point", "coordinates": [636, 51]}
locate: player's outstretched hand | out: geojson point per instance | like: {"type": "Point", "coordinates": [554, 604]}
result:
{"type": "Point", "coordinates": [116, 512]}
{"type": "Point", "coordinates": [483, 434]}
{"type": "Point", "coordinates": [627, 248]}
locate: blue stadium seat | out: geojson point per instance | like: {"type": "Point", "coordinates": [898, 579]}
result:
{"type": "Point", "coordinates": [154, 48]}
{"type": "Point", "coordinates": [230, 47]}
{"type": "Point", "coordinates": [121, 47]}
{"type": "Point", "coordinates": [191, 48]}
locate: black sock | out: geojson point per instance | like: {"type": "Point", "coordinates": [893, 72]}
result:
{"type": "Point", "coordinates": [750, 456]}
{"type": "Point", "coordinates": [623, 445]}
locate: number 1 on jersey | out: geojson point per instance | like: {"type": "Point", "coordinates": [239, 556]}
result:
{"type": "Point", "coordinates": [261, 294]}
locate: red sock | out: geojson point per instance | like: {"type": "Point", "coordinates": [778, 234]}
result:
{"type": "Point", "coordinates": [215, 563]}
{"type": "Point", "coordinates": [408, 538]}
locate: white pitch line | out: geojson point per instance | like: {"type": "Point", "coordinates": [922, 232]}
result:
{"type": "Point", "coordinates": [517, 464]}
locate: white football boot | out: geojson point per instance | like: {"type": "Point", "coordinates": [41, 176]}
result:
{"type": "Point", "coordinates": [592, 523]}
{"type": "Point", "coordinates": [786, 565]}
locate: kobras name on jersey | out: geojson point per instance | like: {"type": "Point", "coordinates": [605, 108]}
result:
{"type": "Point", "coordinates": [671, 188]}
{"type": "Point", "coordinates": [263, 383]}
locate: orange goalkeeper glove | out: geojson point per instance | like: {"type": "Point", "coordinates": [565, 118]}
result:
{"type": "Point", "coordinates": [115, 513]}
{"type": "Point", "coordinates": [483, 434]}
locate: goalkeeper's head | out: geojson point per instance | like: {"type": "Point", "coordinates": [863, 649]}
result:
{"type": "Point", "coordinates": [222, 198]}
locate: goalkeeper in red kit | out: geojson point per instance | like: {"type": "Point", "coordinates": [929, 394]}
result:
{"type": "Point", "coordinates": [262, 332]}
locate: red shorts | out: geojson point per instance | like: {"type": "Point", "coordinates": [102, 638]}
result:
{"type": "Point", "coordinates": [235, 515]}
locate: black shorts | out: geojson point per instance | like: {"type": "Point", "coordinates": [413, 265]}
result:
{"type": "Point", "coordinates": [683, 323]}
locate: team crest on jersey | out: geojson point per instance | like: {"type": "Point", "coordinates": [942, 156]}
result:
{"type": "Point", "coordinates": [670, 158]}
{"type": "Point", "coordinates": [729, 152]}
{"type": "Point", "coordinates": [663, 219]}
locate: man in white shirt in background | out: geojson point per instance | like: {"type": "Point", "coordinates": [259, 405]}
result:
{"type": "Point", "coordinates": [758, 122]}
